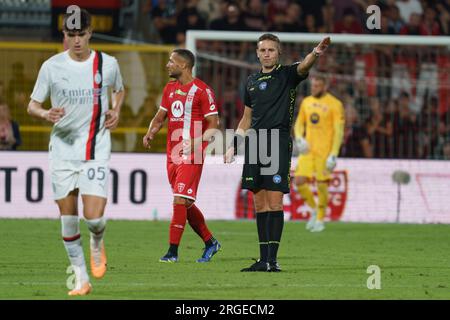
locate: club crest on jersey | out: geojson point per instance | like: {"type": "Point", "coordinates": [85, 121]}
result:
{"type": "Point", "coordinates": [98, 78]}
{"type": "Point", "coordinates": [212, 107]}
{"type": "Point", "coordinates": [177, 109]}
{"type": "Point", "coordinates": [181, 187]}
{"type": "Point", "coordinates": [263, 85]}
{"type": "Point", "coordinates": [315, 118]}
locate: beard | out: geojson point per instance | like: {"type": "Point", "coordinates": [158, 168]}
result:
{"type": "Point", "coordinates": [174, 75]}
{"type": "Point", "coordinates": [319, 94]}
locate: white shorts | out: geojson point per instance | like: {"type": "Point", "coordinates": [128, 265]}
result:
{"type": "Point", "coordinates": [90, 177]}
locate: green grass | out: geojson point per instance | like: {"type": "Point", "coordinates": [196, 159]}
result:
{"type": "Point", "coordinates": [414, 262]}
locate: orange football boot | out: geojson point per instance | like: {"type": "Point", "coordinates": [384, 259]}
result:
{"type": "Point", "coordinates": [86, 288]}
{"type": "Point", "coordinates": [98, 264]}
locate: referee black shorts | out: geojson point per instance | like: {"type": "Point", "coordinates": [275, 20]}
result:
{"type": "Point", "coordinates": [264, 170]}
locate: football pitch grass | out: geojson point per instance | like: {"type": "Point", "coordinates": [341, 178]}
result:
{"type": "Point", "coordinates": [414, 261]}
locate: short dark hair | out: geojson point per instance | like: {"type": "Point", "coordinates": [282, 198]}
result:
{"type": "Point", "coordinates": [320, 78]}
{"type": "Point", "coordinates": [85, 21]}
{"type": "Point", "coordinates": [186, 55]}
{"type": "Point", "coordinates": [272, 37]}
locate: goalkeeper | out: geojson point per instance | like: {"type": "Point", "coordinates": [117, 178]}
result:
{"type": "Point", "coordinates": [318, 134]}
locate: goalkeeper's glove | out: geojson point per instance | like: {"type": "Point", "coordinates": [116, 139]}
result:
{"type": "Point", "coordinates": [302, 145]}
{"type": "Point", "coordinates": [331, 162]}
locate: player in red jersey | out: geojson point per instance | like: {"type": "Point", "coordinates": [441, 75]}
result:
{"type": "Point", "coordinates": [190, 106]}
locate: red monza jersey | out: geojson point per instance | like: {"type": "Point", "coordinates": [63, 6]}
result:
{"type": "Point", "coordinates": [187, 107]}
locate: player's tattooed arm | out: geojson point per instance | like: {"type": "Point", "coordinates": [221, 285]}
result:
{"type": "Point", "coordinates": [213, 125]}
{"type": "Point", "coordinates": [112, 115]}
{"type": "Point", "coordinates": [304, 66]}
{"type": "Point", "coordinates": [52, 115]}
{"type": "Point", "coordinates": [154, 127]}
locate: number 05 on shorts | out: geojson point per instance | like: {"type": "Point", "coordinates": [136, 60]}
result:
{"type": "Point", "coordinates": [90, 177]}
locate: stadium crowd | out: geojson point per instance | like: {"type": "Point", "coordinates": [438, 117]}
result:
{"type": "Point", "coordinates": [396, 98]}
{"type": "Point", "coordinates": [171, 18]}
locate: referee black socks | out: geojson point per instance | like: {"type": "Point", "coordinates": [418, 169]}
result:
{"type": "Point", "coordinates": [263, 235]}
{"type": "Point", "coordinates": [275, 225]}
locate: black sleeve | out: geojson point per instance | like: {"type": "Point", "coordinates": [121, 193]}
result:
{"type": "Point", "coordinates": [247, 99]}
{"type": "Point", "coordinates": [296, 78]}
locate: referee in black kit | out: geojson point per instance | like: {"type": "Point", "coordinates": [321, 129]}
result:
{"type": "Point", "coordinates": [269, 109]}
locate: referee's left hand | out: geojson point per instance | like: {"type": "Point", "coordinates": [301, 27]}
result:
{"type": "Point", "coordinates": [112, 119]}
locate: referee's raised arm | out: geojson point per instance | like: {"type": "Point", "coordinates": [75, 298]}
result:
{"type": "Point", "coordinates": [304, 66]}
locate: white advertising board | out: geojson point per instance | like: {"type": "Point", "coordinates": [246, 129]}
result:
{"type": "Point", "coordinates": [139, 189]}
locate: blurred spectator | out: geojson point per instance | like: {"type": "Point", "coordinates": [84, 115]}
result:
{"type": "Point", "coordinates": [379, 128]}
{"type": "Point", "coordinates": [9, 129]}
{"type": "Point", "coordinates": [164, 16]}
{"type": "Point", "coordinates": [408, 7]}
{"type": "Point", "coordinates": [292, 21]}
{"type": "Point", "coordinates": [395, 23]}
{"type": "Point", "coordinates": [232, 21]}
{"type": "Point", "coordinates": [310, 25]}
{"type": "Point", "coordinates": [356, 142]}
{"type": "Point", "coordinates": [340, 7]}
{"type": "Point", "coordinates": [442, 150]}
{"type": "Point", "coordinates": [429, 122]}
{"type": "Point", "coordinates": [403, 60]}
{"type": "Point", "coordinates": [213, 9]}
{"type": "Point", "coordinates": [430, 26]}
{"type": "Point", "coordinates": [276, 9]}
{"type": "Point", "coordinates": [405, 130]}
{"type": "Point", "coordinates": [384, 27]}
{"type": "Point", "coordinates": [361, 99]}
{"type": "Point", "coordinates": [189, 19]}
{"type": "Point", "coordinates": [427, 80]}
{"type": "Point", "coordinates": [254, 17]}
{"type": "Point", "coordinates": [349, 23]}
{"type": "Point", "coordinates": [413, 27]}
{"type": "Point", "coordinates": [314, 8]}
{"type": "Point", "coordinates": [446, 150]}
{"type": "Point", "coordinates": [443, 8]}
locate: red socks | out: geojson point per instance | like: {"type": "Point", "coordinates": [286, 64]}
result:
{"type": "Point", "coordinates": [177, 224]}
{"type": "Point", "coordinates": [197, 223]}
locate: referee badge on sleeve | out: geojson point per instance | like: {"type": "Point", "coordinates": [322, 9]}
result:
{"type": "Point", "coordinates": [276, 179]}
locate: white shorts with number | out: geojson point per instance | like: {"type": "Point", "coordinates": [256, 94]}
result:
{"type": "Point", "coordinates": [90, 177]}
